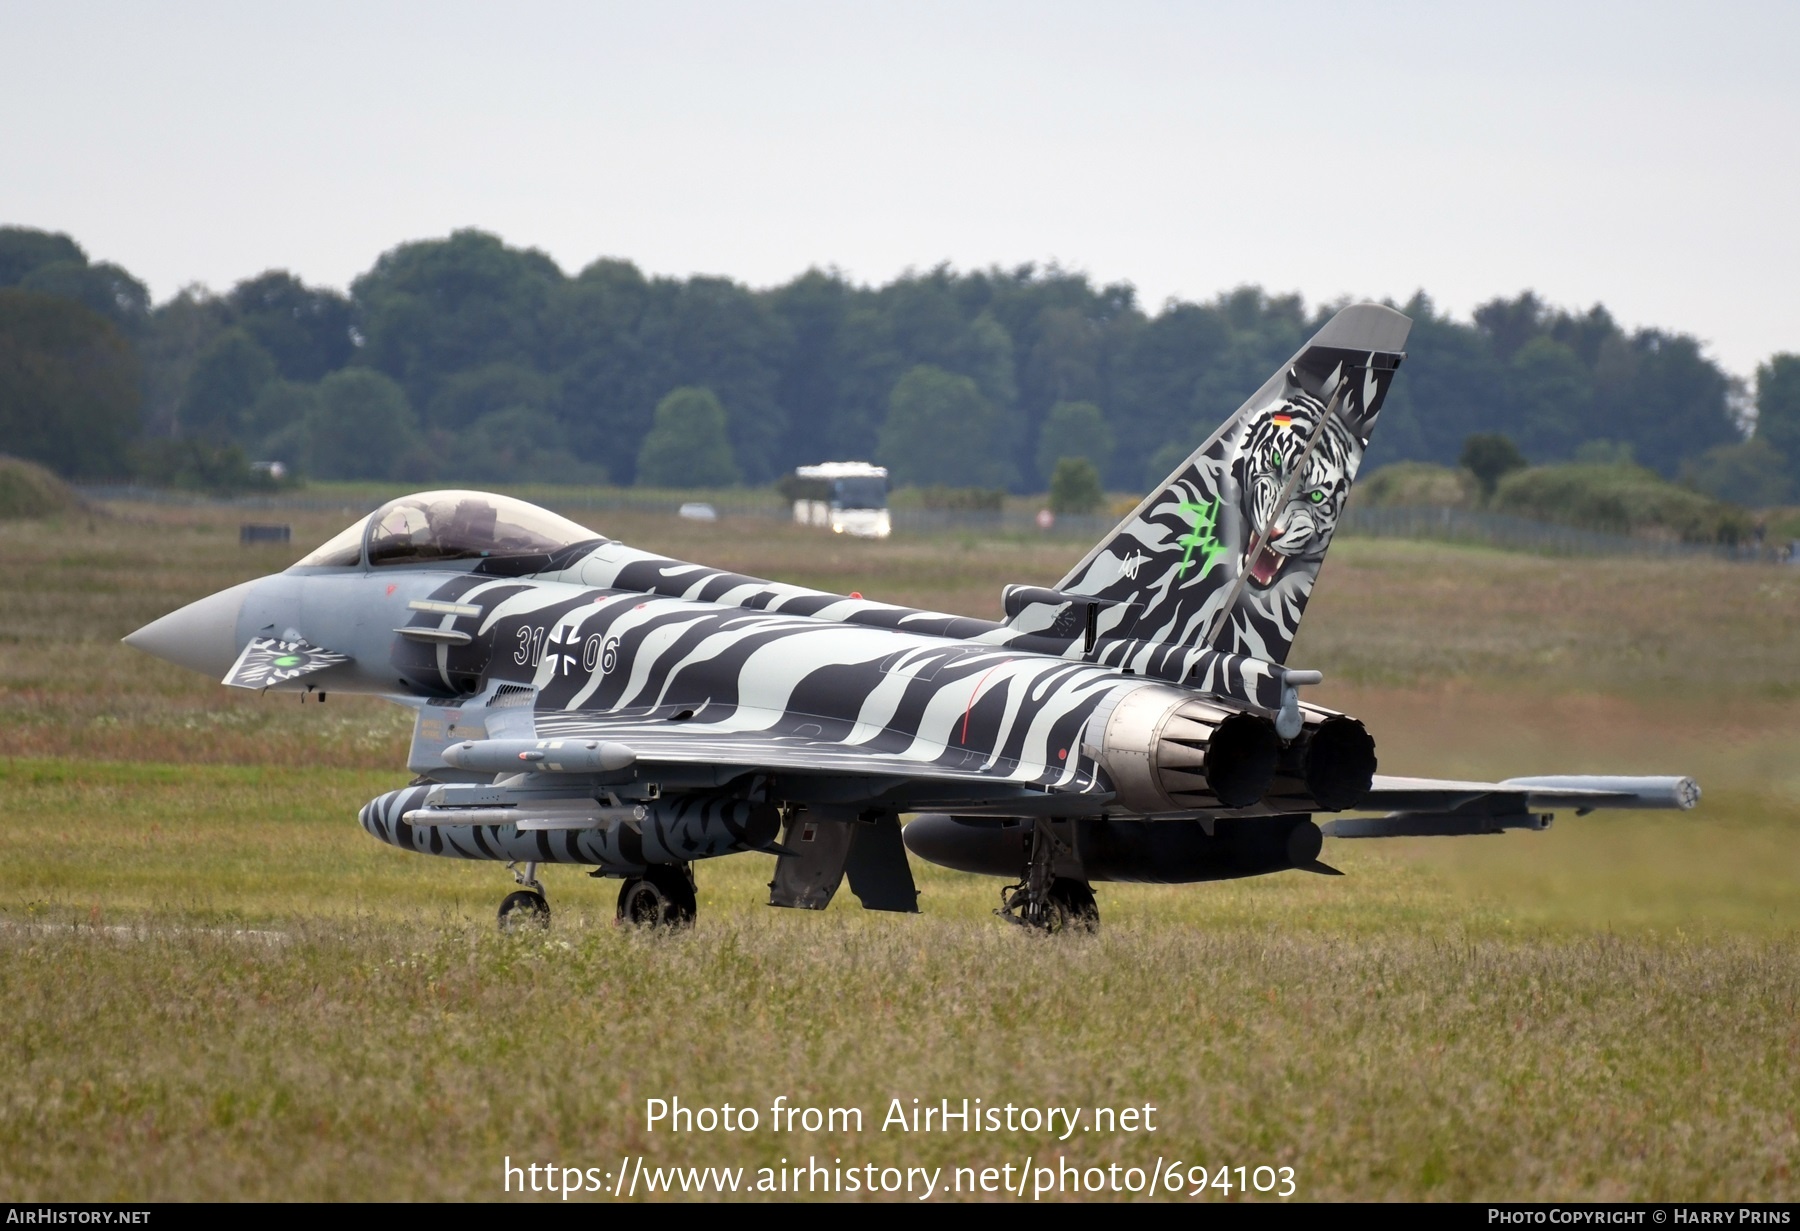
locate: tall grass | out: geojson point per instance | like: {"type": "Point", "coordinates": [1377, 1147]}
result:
{"type": "Point", "coordinates": [1414, 1050]}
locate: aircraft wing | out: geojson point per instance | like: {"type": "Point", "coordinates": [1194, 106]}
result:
{"type": "Point", "coordinates": [1421, 807]}
{"type": "Point", "coordinates": [907, 774]}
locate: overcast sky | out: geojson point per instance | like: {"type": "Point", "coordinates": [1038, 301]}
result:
{"type": "Point", "coordinates": [1644, 155]}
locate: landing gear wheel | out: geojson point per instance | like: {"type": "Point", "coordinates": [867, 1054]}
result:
{"type": "Point", "coordinates": [1072, 906]}
{"type": "Point", "coordinates": [1043, 901]}
{"type": "Point", "coordinates": [1067, 906]}
{"type": "Point", "coordinates": [524, 909]}
{"type": "Point", "coordinates": [662, 897]}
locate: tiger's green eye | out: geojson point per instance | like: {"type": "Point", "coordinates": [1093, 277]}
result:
{"type": "Point", "coordinates": [1317, 497]}
{"type": "Point", "coordinates": [1275, 458]}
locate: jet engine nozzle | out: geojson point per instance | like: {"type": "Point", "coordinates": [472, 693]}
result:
{"type": "Point", "coordinates": [1329, 766]}
{"type": "Point", "coordinates": [1167, 751]}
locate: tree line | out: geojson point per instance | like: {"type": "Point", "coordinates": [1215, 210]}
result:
{"type": "Point", "coordinates": [466, 359]}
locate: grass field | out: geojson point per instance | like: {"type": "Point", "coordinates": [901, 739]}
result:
{"type": "Point", "coordinates": [217, 986]}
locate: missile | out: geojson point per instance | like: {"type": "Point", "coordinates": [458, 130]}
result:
{"type": "Point", "coordinates": [533, 815]}
{"type": "Point", "coordinates": [557, 756]}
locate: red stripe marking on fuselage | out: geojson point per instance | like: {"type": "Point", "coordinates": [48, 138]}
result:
{"type": "Point", "coordinates": [964, 737]}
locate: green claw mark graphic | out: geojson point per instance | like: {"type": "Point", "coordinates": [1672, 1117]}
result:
{"type": "Point", "coordinates": [1204, 535]}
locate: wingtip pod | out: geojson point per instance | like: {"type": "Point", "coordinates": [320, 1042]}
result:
{"type": "Point", "coordinates": [1678, 792]}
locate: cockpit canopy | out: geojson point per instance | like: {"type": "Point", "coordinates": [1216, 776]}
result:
{"type": "Point", "coordinates": [433, 527]}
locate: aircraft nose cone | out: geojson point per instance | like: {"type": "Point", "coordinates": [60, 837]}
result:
{"type": "Point", "coordinates": [201, 636]}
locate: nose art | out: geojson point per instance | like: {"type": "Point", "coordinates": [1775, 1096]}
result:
{"type": "Point", "coordinates": [201, 636]}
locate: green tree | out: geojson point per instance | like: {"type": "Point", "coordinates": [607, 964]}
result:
{"type": "Point", "coordinates": [621, 341]}
{"type": "Point", "coordinates": [281, 406]}
{"type": "Point", "coordinates": [518, 444]}
{"type": "Point", "coordinates": [1074, 429]}
{"type": "Point", "coordinates": [1075, 487]}
{"type": "Point", "coordinates": [362, 428]}
{"type": "Point", "coordinates": [609, 378]}
{"type": "Point", "coordinates": [1064, 363]}
{"type": "Point", "coordinates": [1453, 385]}
{"type": "Point", "coordinates": [1490, 457]}
{"type": "Point", "coordinates": [1604, 452]}
{"type": "Point", "coordinates": [1162, 463]}
{"type": "Point", "coordinates": [1676, 403]}
{"type": "Point", "coordinates": [985, 355]}
{"type": "Point", "coordinates": [437, 307]}
{"type": "Point", "coordinates": [24, 249]}
{"type": "Point", "coordinates": [689, 444]}
{"type": "Point", "coordinates": [813, 311]}
{"type": "Point", "coordinates": [305, 330]}
{"type": "Point", "coordinates": [106, 289]}
{"type": "Point", "coordinates": [55, 265]}
{"type": "Point", "coordinates": [1511, 324]}
{"type": "Point", "coordinates": [722, 337]}
{"type": "Point", "coordinates": [231, 372]}
{"type": "Point", "coordinates": [1753, 473]}
{"type": "Point", "coordinates": [178, 333]}
{"type": "Point", "coordinates": [1151, 396]}
{"type": "Point", "coordinates": [1552, 392]}
{"type": "Point", "coordinates": [467, 396]}
{"type": "Point", "coordinates": [941, 431]}
{"type": "Point", "coordinates": [69, 386]}
{"type": "Point", "coordinates": [1778, 404]}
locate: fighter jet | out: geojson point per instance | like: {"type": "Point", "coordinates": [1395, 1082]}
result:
{"type": "Point", "coordinates": [581, 701]}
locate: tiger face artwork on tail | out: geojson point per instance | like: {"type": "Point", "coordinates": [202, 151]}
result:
{"type": "Point", "coordinates": [1187, 566]}
{"type": "Point", "coordinates": [1275, 444]}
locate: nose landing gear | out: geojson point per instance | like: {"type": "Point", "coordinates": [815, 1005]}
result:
{"type": "Point", "coordinates": [528, 908]}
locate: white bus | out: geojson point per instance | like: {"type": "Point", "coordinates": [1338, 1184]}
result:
{"type": "Point", "coordinates": [844, 497]}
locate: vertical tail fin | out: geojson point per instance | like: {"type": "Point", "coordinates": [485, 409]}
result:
{"type": "Point", "coordinates": [1224, 553]}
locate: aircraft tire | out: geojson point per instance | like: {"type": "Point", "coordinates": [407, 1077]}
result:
{"type": "Point", "coordinates": [1072, 906]}
{"type": "Point", "coordinates": [662, 897]}
{"type": "Point", "coordinates": [524, 909]}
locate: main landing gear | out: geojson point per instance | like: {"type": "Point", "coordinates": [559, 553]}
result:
{"type": "Point", "coordinates": [1044, 901]}
{"type": "Point", "coordinates": [662, 897]}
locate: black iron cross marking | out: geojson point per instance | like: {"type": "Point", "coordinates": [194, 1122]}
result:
{"type": "Point", "coordinates": [565, 647]}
